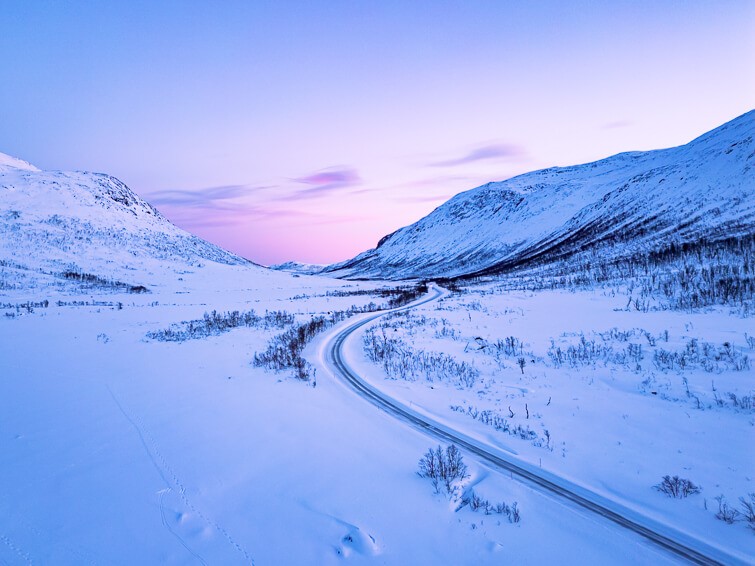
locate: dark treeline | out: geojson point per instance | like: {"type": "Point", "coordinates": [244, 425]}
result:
{"type": "Point", "coordinates": [101, 282]}
{"type": "Point", "coordinates": [686, 275]}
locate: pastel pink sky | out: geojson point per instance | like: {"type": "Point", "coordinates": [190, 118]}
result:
{"type": "Point", "coordinates": [307, 131]}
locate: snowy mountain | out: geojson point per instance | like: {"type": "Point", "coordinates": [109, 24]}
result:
{"type": "Point", "coordinates": [630, 203]}
{"type": "Point", "coordinates": [88, 228]}
{"type": "Point", "coordinates": [298, 267]}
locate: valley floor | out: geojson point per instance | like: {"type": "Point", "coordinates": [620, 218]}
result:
{"type": "Point", "coordinates": [120, 449]}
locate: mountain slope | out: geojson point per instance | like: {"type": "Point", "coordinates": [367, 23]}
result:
{"type": "Point", "coordinates": [58, 225]}
{"type": "Point", "coordinates": [629, 203]}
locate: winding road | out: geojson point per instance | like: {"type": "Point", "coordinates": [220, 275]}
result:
{"type": "Point", "coordinates": [679, 544]}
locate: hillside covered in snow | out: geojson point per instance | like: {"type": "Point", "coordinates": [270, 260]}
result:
{"type": "Point", "coordinates": [62, 228]}
{"type": "Point", "coordinates": [631, 203]}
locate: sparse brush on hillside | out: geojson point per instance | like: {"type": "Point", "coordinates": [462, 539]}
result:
{"type": "Point", "coordinates": [89, 280]}
{"type": "Point", "coordinates": [683, 276]}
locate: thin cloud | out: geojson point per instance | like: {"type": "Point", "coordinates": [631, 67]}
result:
{"type": "Point", "coordinates": [421, 199]}
{"type": "Point", "coordinates": [617, 124]}
{"type": "Point", "coordinates": [325, 182]}
{"type": "Point", "coordinates": [202, 198]}
{"type": "Point", "coordinates": [484, 153]}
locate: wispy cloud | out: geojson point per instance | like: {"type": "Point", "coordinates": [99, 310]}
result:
{"type": "Point", "coordinates": [326, 181]}
{"type": "Point", "coordinates": [215, 208]}
{"type": "Point", "coordinates": [427, 198]}
{"type": "Point", "coordinates": [617, 124]}
{"type": "Point", "coordinates": [484, 153]}
{"type": "Point", "coordinates": [203, 198]}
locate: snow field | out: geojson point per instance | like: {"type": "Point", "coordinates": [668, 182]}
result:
{"type": "Point", "coordinates": [126, 450]}
{"type": "Point", "coordinates": [606, 425]}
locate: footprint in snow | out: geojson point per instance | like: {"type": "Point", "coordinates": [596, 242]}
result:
{"type": "Point", "coordinates": [359, 542]}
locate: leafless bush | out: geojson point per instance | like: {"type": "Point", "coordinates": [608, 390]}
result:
{"type": "Point", "coordinates": [748, 509]}
{"type": "Point", "coordinates": [443, 468]}
{"type": "Point", "coordinates": [677, 487]}
{"type": "Point", "coordinates": [726, 513]}
{"type": "Point", "coordinates": [477, 503]}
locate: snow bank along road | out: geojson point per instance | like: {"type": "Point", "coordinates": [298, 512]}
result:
{"type": "Point", "coordinates": [678, 543]}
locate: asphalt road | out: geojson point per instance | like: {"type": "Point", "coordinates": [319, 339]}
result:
{"type": "Point", "coordinates": [683, 546]}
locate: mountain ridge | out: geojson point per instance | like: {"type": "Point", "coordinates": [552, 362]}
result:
{"type": "Point", "coordinates": [57, 225]}
{"type": "Point", "coordinates": [641, 200]}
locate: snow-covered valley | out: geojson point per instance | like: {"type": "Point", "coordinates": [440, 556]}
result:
{"type": "Point", "coordinates": [165, 401]}
{"type": "Point", "coordinates": [127, 450]}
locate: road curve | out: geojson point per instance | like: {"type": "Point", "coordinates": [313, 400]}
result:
{"type": "Point", "coordinates": [679, 544]}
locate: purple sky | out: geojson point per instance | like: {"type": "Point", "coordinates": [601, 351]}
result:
{"type": "Point", "coordinates": [308, 130]}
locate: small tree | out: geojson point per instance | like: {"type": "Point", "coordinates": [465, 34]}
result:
{"type": "Point", "coordinates": [443, 468]}
{"type": "Point", "coordinates": [522, 362]}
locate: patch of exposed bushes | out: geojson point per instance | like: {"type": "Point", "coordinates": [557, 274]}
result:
{"type": "Point", "coordinates": [214, 323]}
{"type": "Point", "coordinates": [91, 280]}
{"type": "Point", "coordinates": [397, 296]}
{"type": "Point", "coordinates": [478, 504]}
{"type": "Point", "coordinates": [501, 424]}
{"type": "Point", "coordinates": [400, 361]}
{"type": "Point", "coordinates": [447, 471]}
{"type": "Point", "coordinates": [285, 350]}
{"type": "Point", "coordinates": [702, 354]}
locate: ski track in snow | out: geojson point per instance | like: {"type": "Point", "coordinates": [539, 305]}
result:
{"type": "Point", "coordinates": [163, 468]}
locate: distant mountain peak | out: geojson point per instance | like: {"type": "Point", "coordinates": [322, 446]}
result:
{"type": "Point", "coordinates": [54, 223]}
{"type": "Point", "coordinates": [8, 162]}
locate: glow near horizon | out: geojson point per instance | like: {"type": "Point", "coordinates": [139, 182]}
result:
{"type": "Point", "coordinates": [307, 131]}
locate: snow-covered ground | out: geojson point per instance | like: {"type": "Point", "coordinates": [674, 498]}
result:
{"type": "Point", "coordinates": [612, 414]}
{"type": "Point", "coordinates": [124, 450]}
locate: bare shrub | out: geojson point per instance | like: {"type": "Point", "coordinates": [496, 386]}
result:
{"type": "Point", "coordinates": [443, 468]}
{"type": "Point", "coordinates": [477, 503]}
{"type": "Point", "coordinates": [677, 487]}
{"type": "Point", "coordinates": [747, 504]}
{"type": "Point", "coordinates": [726, 513]}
